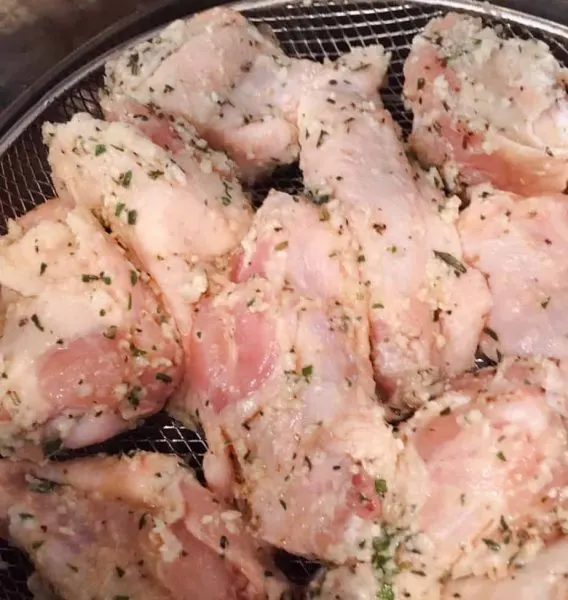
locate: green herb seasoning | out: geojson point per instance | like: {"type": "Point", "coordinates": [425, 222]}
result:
{"type": "Point", "coordinates": [381, 487]}
{"type": "Point", "coordinates": [307, 372]}
{"type": "Point", "coordinates": [451, 261]}
{"type": "Point", "coordinates": [125, 179]}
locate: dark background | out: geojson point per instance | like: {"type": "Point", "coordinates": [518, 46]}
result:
{"type": "Point", "coordinates": [35, 35]}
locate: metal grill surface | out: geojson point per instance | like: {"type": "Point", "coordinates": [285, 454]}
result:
{"type": "Point", "coordinates": [313, 29]}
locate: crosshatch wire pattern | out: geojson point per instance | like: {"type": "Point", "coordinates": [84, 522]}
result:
{"type": "Point", "coordinates": [318, 29]}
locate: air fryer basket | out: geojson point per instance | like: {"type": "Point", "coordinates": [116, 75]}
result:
{"type": "Point", "coordinates": [312, 29]}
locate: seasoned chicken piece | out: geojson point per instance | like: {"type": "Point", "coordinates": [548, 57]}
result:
{"type": "Point", "coordinates": [282, 384]}
{"type": "Point", "coordinates": [520, 244]}
{"type": "Point", "coordinates": [487, 108]}
{"type": "Point", "coordinates": [486, 488]}
{"type": "Point", "coordinates": [294, 242]}
{"type": "Point", "coordinates": [234, 84]}
{"type": "Point", "coordinates": [411, 257]}
{"type": "Point", "coordinates": [545, 578]}
{"type": "Point", "coordinates": [137, 527]}
{"type": "Point", "coordinates": [173, 216]}
{"type": "Point", "coordinates": [86, 350]}
{"type": "Point", "coordinates": [494, 452]}
{"type": "Point", "coordinates": [285, 397]}
{"type": "Point", "coordinates": [351, 582]}
{"type": "Point", "coordinates": [176, 135]}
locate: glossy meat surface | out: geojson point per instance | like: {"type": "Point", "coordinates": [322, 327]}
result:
{"type": "Point", "coordinates": [131, 527]}
{"type": "Point", "coordinates": [86, 348]}
{"type": "Point", "coordinates": [486, 108]}
{"type": "Point", "coordinates": [234, 84]}
{"type": "Point", "coordinates": [410, 254]}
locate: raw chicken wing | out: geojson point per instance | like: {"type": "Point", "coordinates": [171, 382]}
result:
{"type": "Point", "coordinates": [521, 245]}
{"type": "Point", "coordinates": [486, 475]}
{"type": "Point", "coordinates": [234, 84]}
{"type": "Point", "coordinates": [86, 349]}
{"type": "Point", "coordinates": [411, 257]}
{"type": "Point", "coordinates": [488, 109]}
{"type": "Point", "coordinates": [282, 384]}
{"type": "Point", "coordinates": [491, 493]}
{"type": "Point", "coordinates": [173, 217]}
{"type": "Point", "coordinates": [137, 527]}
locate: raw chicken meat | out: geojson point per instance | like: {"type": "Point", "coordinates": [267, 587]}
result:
{"type": "Point", "coordinates": [487, 108]}
{"type": "Point", "coordinates": [545, 578]}
{"type": "Point", "coordinates": [486, 483]}
{"type": "Point", "coordinates": [293, 242]}
{"type": "Point", "coordinates": [174, 215]}
{"type": "Point", "coordinates": [411, 257]}
{"type": "Point", "coordinates": [494, 449]}
{"type": "Point", "coordinates": [282, 384]}
{"type": "Point", "coordinates": [521, 245]}
{"type": "Point", "coordinates": [86, 349]}
{"type": "Point", "coordinates": [176, 135]}
{"type": "Point", "coordinates": [234, 84]}
{"type": "Point", "coordinates": [137, 527]}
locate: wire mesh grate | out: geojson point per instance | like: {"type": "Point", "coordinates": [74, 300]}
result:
{"type": "Point", "coordinates": [314, 30]}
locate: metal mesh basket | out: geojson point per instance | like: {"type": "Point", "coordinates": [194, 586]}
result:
{"type": "Point", "coordinates": [311, 29]}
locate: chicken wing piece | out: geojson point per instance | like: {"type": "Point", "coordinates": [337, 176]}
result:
{"type": "Point", "coordinates": [486, 488]}
{"type": "Point", "coordinates": [493, 449]}
{"type": "Point", "coordinates": [286, 401]}
{"type": "Point", "coordinates": [138, 527]}
{"type": "Point", "coordinates": [86, 349]}
{"type": "Point", "coordinates": [546, 578]}
{"type": "Point", "coordinates": [520, 244]}
{"type": "Point", "coordinates": [176, 135]}
{"type": "Point", "coordinates": [282, 384]}
{"type": "Point", "coordinates": [411, 258]}
{"type": "Point", "coordinates": [488, 109]}
{"type": "Point", "coordinates": [234, 84]}
{"type": "Point", "coordinates": [173, 217]}
{"type": "Point", "coordinates": [294, 242]}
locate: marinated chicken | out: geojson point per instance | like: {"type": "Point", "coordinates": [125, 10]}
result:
{"type": "Point", "coordinates": [284, 351]}
{"type": "Point", "coordinates": [319, 259]}
{"type": "Point", "coordinates": [86, 349]}
{"type": "Point", "coordinates": [486, 108]}
{"type": "Point", "coordinates": [138, 527]}
{"type": "Point", "coordinates": [487, 490]}
{"type": "Point", "coordinates": [410, 257]}
{"type": "Point", "coordinates": [520, 244]}
{"type": "Point", "coordinates": [176, 135]}
{"type": "Point", "coordinates": [545, 578]}
{"type": "Point", "coordinates": [173, 215]}
{"type": "Point", "coordinates": [234, 84]}
{"type": "Point", "coordinates": [493, 448]}
{"type": "Point", "coordinates": [293, 337]}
